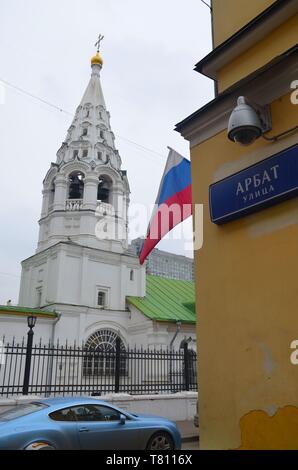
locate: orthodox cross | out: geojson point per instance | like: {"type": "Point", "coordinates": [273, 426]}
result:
{"type": "Point", "coordinates": [100, 38]}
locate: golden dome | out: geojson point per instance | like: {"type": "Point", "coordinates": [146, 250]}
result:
{"type": "Point", "coordinates": [96, 59]}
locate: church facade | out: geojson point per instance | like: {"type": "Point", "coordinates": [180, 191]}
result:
{"type": "Point", "coordinates": [82, 269]}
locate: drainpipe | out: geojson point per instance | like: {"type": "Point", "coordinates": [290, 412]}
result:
{"type": "Point", "coordinates": [59, 314]}
{"type": "Point", "coordinates": [178, 326]}
{"type": "Point", "coordinates": [51, 358]}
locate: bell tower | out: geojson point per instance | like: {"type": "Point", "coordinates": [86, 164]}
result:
{"type": "Point", "coordinates": [85, 192]}
{"type": "Point", "coordinates": [82, 257]}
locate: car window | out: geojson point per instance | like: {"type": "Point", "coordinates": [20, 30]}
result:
{"type": "Point", "coordinates": [66, 414]}
{"type": "Point", "coordinates": [21, 410]}
{"type": "Point", "coordinates": [96, 413]}
{"type": "Point", "coordinates": [86, 413]}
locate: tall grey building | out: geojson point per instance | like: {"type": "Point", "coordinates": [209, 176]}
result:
{"type": "Point", "coordinates": [165, 264]}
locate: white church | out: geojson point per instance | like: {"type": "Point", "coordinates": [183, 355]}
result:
{"type": "Point", "coordinates": [83, 284]}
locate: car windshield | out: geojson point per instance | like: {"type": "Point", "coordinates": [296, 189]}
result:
{"type": "Point", "coordinates": [21, 410]}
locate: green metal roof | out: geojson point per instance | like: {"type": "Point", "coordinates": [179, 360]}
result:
{"type": "Point", "coordinates": [15, 310]}
{"type": "Point", "coordinates": [167, 300]}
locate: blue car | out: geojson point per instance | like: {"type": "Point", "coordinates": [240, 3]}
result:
{"type": "Point", "coordinates": [83, 423]}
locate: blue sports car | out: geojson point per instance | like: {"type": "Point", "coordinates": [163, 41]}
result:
{"type": "Point", "coordinates": [83, 423]}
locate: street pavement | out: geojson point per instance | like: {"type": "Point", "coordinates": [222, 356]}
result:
{"type": "Point", "coordinates": [192, 445]}
{"type": "Point", "coordinates": [190, 435]}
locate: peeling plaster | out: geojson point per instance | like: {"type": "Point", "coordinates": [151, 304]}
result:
{"type": "Point", "coordinates": [260, 431]}
{"type": "Point", "coordinates": [268, 363]}
{"type": "Point", "coordinates": [271, 410]}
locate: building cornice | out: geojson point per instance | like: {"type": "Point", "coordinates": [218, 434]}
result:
{"type": "Point", "coordinates": [253, 32]}
{"type": "Point", "coordinates": [88, 308]}
{"type": "Point", "coordinates": [63, 212]}
{"type": "Point", "coordinates": [25, 312]}
{"type": "Point", "coordinates": [41, 254]}
{"type": "Point", "coordinates": [263, 87]}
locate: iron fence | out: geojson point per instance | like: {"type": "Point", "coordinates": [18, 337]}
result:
{"type": "Point", "coordinates": [77, 370]}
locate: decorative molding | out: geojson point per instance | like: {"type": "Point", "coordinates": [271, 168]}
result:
{"type": "Point", "coordinates": [75, 165]}
{"type": "Point", "coordinates": [109, 171]}
{"type": "Point", "coordinates": [52, 172]}
{"type": "Point", "coordinates": [262, 87]}
{"type": "Point", "coordinates": [247, 37]}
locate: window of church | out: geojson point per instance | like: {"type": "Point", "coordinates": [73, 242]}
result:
{"type": "Point", "coordinates": [75, 154]}
{"type": "Point", "coordinates": [131, 275]}
{"type": "Point", "coordinates": [99, 155]}
{"type": "Point", "coordinates": [85, 131]}
{"type": "Point", "coordinates": [85, 153]}
{"type": "Point", "coordinates": [102, 134]}
{"type": "Point", "coordinates": [76, 185]}
{"type": "Point", "coordinates": [104, 189]}
{"type": "Point", "coordinates": [101, 299]}
{"type": "Point", "coordinates": [38, 296]}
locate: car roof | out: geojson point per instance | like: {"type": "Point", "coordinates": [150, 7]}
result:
{"type": "Point", "coordinates": [70, 401]}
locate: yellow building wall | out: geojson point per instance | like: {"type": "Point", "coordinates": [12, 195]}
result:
{"type": "Point", "coordinates": [280, 40]}
{"type": "Point", "coordinates": [231, 15]}
{"type": "Point", "coordinates": [247, 306]}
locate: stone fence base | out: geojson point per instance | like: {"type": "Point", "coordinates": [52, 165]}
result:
{"type": "Point", "coordinates": [175, 406]}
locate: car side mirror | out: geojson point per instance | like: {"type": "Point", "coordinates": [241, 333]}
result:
{"type": "Point", "coordinates": [122, 419]}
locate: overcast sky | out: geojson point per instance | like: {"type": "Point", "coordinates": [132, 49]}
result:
{"type": "Point", "coordinates": [149, 51]}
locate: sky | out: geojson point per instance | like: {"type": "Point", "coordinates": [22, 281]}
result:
{"type": "Point", "coordinates": [149, 52]}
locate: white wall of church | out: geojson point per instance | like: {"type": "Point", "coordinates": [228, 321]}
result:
{"type": "Point", "coordinates": [159, 334]}
{"type": "Point", "coordinates": [15, 327]}
{"type": "Point", "coordinates": [71, 274]}
{"type": "Point", "coordinates": [77, 324]}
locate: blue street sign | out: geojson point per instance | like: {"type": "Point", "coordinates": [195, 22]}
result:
{"type": "Point", "coordinates": [258, 186]}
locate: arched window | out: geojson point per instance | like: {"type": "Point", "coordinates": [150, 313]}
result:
{"type": "Point", "coordinates": [104, 189]}
{"type": "Point", "coordinates": [100, 353]}
{"type": "Point", "coordinates": [76, 185]}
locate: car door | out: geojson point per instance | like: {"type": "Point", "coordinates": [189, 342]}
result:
{"type": "Point", "coordinates": [99, 427]}
{"type": "Point", "coordinates": [65, 431]}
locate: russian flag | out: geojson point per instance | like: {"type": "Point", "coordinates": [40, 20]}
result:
{"type": "Point", "coordinates": [173, 202]}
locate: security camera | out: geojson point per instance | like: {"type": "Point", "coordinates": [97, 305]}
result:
{"type": "Point", "coordinates": [246, 123]}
